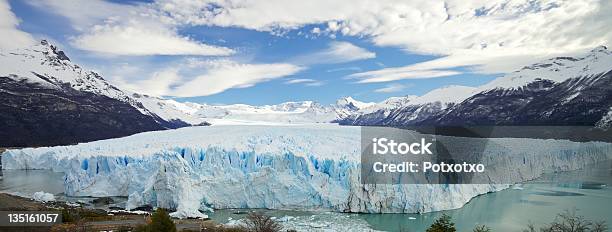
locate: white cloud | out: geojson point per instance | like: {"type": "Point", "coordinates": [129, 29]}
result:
{"type": "Point", "coordinates": [490, 36]}
{"type": "Point", "coordinates": [344, 51]}
{"type": "Point", "coordinates": [394, 74]}
{"type": "Point", "coordinates": [391, 88]}
{"type": "Point", "coordinates": [84, 14]}
{"type": "Point", "coordinates": [221, 75]}
{"type": "Point", "coordinates": [344, 69]}
{"type": "Point", "coordinates": [493, 36]}
{"type": "Point", "coordinates": [337, 52]}
{"type": "Point", "coordinates": [297, 81]}
{"type": "Point", "coordinates": [192, 78]}
{"type": "Point", "coordinates": [304, 81]}
{"type": "Point", "coordinates": [126, 29]}
{"type": "Point", "coordinates": [159, 84]}
{"type": "Point", "coordinates": [11, 36]}
{"type": "Point", "coordinates": [257, 15]}
{"type": "Point", "coordinates": [314, 84]}
{"type": "Point", "coordinates": [140, 40]}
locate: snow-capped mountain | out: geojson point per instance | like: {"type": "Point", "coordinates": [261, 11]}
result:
{"type": "Point", "coordinates": [375, 112]}
{"type": "Point", "coordinates": [283, 113]}
{"type": "Point", "coordinates": [45, 65]}
{"type": "Point", "coordinates": [434, 107]}
{"type": "Point", "coordinates": [558, 69]}
{"type": "Point", "coordinates": [87, 107]}
{"type": "Point", "coordinates": [48, 99]}
{"type": "Point", "coordinates": [445, 96]}
{"type": "Point", "coordinates": [170, 110]}
{"type": "Point", "coordinates": [389, 103]}
{"type": "Point", "coordinates": [410, 108]}
{"type": "Point", "coordinates": [350, 103]}
{"type": "Point", "coordinates": [54, 101]}
{"type": "Point", "coordinates": [557, 91]}
{"type": "Point", "coordinates": [347, 106]}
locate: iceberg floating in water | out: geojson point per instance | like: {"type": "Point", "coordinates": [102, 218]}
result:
{"type": "Point", "coordinates": [303, 167]}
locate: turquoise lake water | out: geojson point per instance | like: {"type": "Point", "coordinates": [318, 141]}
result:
{"type": "Point", "coordinates": [588, 191]}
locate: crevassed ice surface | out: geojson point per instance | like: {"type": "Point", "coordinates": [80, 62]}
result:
{"type": "Point", "coordinates": [303, 167]}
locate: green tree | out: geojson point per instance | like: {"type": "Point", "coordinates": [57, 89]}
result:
{"type": "Point", "coordinates": [161, 221]}
{"type": "Point", "coordinates": [442, 224]}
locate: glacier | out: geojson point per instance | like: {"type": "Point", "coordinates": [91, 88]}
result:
{"type": "Point", "coordinates": [303, 167]}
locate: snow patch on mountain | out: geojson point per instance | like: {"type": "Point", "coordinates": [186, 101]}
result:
{"type": "Point", "coordinates": [45, 64]}
{"type": "Point", "coordinates": [606, 120]}
{"type": "Point", "coordinates": [169, 109]}
{"type": "Point", "coordinates": [558, 69]}
{"type": "Point", "coordinates": [387, 105]}
{"type": "Point", "coordinates": [445, 95]}
{"type": "Point", "coordinates": [349, 102]}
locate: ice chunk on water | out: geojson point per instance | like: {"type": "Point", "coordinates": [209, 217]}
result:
{"type": "Point", "coordinates": [43, 197]}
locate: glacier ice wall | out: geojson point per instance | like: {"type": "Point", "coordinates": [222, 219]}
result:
{"type": "Point", "coordinates": [305, 167]}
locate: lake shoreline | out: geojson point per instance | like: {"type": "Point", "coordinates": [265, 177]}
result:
{"type": "Point", "coordinates": [98, 219]}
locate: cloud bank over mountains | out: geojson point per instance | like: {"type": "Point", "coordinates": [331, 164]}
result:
{"type": "Point", "coordinates": [456, 30]}
{"type": "Point", "coordinates": [487, 37]}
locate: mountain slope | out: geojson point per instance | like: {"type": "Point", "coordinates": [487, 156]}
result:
{"type": "Point", "coordinates": [35, 115]}
{"type": "Point", "coordinates": [558, 69]}
{"type": "Point", "coordinates": [559, 91]}
{"type": "Point", "coordinates": [581, 101]}
{"type": "Point", "coordinates": [411, 109]}
{"type": "Point", "coordinates": [176, 113]}
{"type": "Point", "coordinates": [49, 100]}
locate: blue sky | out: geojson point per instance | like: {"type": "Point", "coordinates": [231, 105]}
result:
{"type": "Point", "coordinates": [267, 52]}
